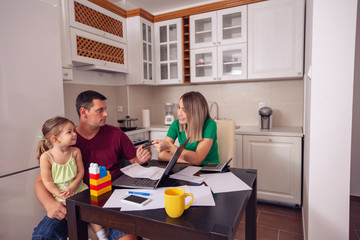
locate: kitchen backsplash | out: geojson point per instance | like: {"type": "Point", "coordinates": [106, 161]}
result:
{"type": "Point", "coordinates": [237, 101]}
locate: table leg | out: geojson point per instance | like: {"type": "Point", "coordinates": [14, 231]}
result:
{"type": "Point", "coordinates": [250, 220]}
{"type": "Point", "coordinates": [77, 229]}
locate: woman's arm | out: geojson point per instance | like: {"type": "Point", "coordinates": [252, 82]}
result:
{"type": "Point", "coordinates": [202, 150]}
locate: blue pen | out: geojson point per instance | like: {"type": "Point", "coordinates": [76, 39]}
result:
{"type": "Point", "coordinates": [139, 193]}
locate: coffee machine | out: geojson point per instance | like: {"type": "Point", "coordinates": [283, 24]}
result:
{"type": "Point", "coordinates": [169, 115]}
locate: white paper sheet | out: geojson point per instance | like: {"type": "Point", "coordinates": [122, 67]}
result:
{"type": "Point", "coordinates": [202, 197]}
{"type": "Point", "coordinates": [187, 174]}
{"type": "Point", "coordinates": [137, 171]}
{"type": "Point", "coordinates": [224, 182]}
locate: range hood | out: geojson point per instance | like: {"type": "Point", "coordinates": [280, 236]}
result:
{"type": "Point", "coordinates": [100, 68]}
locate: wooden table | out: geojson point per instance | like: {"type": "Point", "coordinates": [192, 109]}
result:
{"type": "Point", "coordinates": [219, 222]}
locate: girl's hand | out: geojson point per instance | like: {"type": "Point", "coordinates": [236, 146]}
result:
{"type": "Point", "coordinates": [67, 192]}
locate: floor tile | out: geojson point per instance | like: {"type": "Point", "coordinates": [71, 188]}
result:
{"type": "Point", "coordinates": [290, 236]}
{"type": "Point", "coordinates": [288, 211]}
{"type": "Point", "coordinates": [262, 233]}
{"type": "Point", "coordinates": [281, 222]}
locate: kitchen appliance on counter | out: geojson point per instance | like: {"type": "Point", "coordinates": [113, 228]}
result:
{"type": "Point", "coordinates": [169, 115]}
{"type": "Point", "coordinates": [265, 115]}
{"type": "Point", "coordinates": [128, 123]}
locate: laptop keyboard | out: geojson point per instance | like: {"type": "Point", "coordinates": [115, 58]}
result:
{"type": "Point", "coordinates": [143, 181]}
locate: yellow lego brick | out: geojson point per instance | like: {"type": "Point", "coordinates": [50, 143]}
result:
{"type": "Point", "coordinates": [100, 180]}
{"type": "Point", "coordinates": [100, 192]}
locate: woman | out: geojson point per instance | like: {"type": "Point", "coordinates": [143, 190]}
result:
{"type": "Point", "coordinates": [194, 123]}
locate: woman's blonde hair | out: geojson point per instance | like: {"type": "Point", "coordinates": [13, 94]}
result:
{"type": "Point", "coordinates": [197, 111]}
{"type": "Point", "coordinates": [52, 127]}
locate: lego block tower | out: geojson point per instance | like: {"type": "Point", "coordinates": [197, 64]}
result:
{"type": "Point", "coordinates": [100, 180]}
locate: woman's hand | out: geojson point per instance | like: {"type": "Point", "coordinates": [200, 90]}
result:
{"type": "Point", "coordinates": [162, 145]}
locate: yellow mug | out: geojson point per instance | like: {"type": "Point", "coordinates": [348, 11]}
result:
{"type": "Point", "coordinates": [175, 201]}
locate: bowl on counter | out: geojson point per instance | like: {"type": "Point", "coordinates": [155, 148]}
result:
{"type": "Point", "coordinates": [128, 123]}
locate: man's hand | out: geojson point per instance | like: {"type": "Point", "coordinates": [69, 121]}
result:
{"type": "Point", "coordinates": [56, 210]}
{"type": "Point", "coordinates": [143, 155]}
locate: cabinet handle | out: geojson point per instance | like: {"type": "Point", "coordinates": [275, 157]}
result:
{"type": "Point", "coordinates": [219, 42]}
{"type": "Point", "coordinates": [214, 78]}
{"type": "Point", "coordinates": [214, 43]}
{"type": "Point", "coordinates": [270, 140]}
{"type": "Point", "coordinates": [66, 74]}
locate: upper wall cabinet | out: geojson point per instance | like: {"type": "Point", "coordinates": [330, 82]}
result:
{"type": "Point", "coordinates": [92, 38]}
{"type": "Point", "coordinates": [221, 27]}
{"type": "Point", "coordinates": [141, 51]}
{"type": "Point", "coordinates": [168, 52]}
{"type": "Point", "coordinates": [92, 18]}
{"type": "Point", "coordinates": [276, 39]}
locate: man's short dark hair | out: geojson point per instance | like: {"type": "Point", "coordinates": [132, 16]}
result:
{"type": "Point", "coordinates": [85, 99]}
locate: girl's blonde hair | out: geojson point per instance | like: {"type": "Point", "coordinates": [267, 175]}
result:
{"type": "Point", "coordinates": [197, 111]}
{"type": "Point", "coordinates": [52, 127]}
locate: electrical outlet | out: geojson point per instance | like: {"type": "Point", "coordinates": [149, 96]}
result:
{"type": "Point", "coordinates": [119, 108]}
{"type": "Point", "coordinates": [261, 104]}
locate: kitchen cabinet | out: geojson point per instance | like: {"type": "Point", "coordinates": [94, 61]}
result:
{"type": "Point", "coordinates": [100, 53]}
{"type": "Point", "coordinates": [218, 45]}
{"type": "Point", "coordinates": [141, 50]}
{"type": "Point", "coordinates": [223, 63]}
{"type": "Point", "coordinates": [94, 19]}
{"type": "Point", "coordinates": [238, 163]}
{"type": "Point", "coordinates": [221, 27]}
{"type": "Point", "coordinates": [92, 38]}
{"type": "Point", "coordinates": [278, 162]}
{"type": "Point", "coordinates": [168, 52]}
{"type": "Point", "coordinates": [276, 39]}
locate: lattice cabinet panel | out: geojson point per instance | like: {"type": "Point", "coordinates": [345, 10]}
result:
{"type": "Point", "coordinates": [92, 49]}
{"type": "Point", "coordinates": [90, 17]}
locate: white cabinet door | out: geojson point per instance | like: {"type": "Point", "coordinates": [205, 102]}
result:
{"type": "Point", "coordinates": [278, 162]}
{"type": "Point", "coordinates": [203, 30]}
{"type": "Point", "coordinates": [168, 52]}
{"type": "Point", "coordinates": [276, 39]}
{"type": "Point", "coordinates": [232, 25]}
{"type": "Point", "coordinates": [232, 62]}
{"type": "Point", "coordinates": [238, 163]}
{"type": "Point", "coordinates": [87, 48]}
{"type": "Point", "coordinates": [204, 65]}
{"type": "Point", "coordinates": [221, 27]}
{"type": "Point", "coordinates": [140, 51]}
{"type": "Point", "coordinates": [92, 18]}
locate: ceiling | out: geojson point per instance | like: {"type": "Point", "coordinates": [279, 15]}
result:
{"type": "Point", "coordinates": [156, 7]}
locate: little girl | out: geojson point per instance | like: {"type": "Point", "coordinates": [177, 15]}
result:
{"type": "Point", "coordinates": [61, 165]}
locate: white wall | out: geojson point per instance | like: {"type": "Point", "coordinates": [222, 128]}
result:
{"type": "Point", "coordinates": [329, 118]}
{"type": "Point", "coordinates": [355, 150]}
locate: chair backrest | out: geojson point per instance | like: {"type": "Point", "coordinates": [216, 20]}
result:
{"type": "Point", "coordinates": [226, 140]}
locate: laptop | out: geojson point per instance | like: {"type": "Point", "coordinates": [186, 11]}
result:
{"type": "Point", "coordinates": [130, 182]}
{"type": "Point", "coordinates": [215, 167]}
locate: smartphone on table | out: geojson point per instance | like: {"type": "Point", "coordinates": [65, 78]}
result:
{"type": "Point", "coordinates": [136, 200]}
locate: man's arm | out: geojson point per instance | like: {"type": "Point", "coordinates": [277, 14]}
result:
{"type": "Point", "coordinates": [53, 208]}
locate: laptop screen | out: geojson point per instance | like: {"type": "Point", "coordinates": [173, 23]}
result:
{"type": "Point", "coordinates": [173, 161]}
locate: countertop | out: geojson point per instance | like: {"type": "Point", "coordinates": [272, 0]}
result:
{"type": "Point", "coordinates": [250, 130]}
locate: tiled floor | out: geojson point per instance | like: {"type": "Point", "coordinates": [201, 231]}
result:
{"type": "Point", "coordinates": [354, 218]}
{"type": "Point", "coordinates": [275, 223]}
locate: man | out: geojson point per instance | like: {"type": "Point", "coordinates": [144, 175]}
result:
{"type": "Point", "coordinates": [99, 143]}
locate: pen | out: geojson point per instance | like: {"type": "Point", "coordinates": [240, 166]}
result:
{"type": "Point", "coordinates": [139, 193]}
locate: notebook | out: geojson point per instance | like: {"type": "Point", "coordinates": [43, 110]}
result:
{"type": "Point", "coordinates": [127, 181]}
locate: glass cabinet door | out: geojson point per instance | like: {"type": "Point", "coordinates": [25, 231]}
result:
{"type": "Point", "coordinates": [147, 51]}
{"type": "Point", "coordinates": [203, 30]}
{"type": "Point", "coordinates": [204, 65]}
{"type": "Point", "coordinates": [232, 25]}
{"type": "Point", "coordinates": [168, 34]}
{"type": "Point", "coordinates": [232, 62]}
